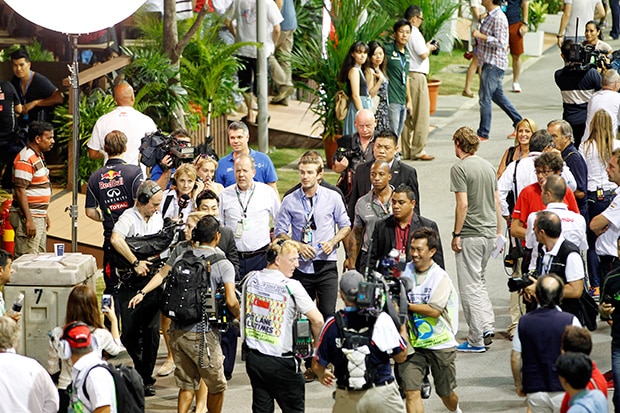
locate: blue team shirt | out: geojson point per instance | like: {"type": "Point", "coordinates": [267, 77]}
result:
{"type": "Point", "coordinates": [265, 171]}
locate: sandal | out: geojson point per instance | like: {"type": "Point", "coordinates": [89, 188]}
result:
{"type": "Point", "coordinates": [467, 95]}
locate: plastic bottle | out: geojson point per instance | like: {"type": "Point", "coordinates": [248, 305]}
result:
{"type": "Point", "coordinates": [19, 303]}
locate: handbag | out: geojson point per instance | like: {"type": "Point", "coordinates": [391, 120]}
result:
{"type": "Point", "coordinates": [341, 105]}
{"type": "Point", "coordinates": [375, 103]}
{"type": "Point", "coordinates": [588, 311]}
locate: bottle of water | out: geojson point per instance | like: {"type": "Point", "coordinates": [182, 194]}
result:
{"type": "Point", "coordinates": [19, 303]}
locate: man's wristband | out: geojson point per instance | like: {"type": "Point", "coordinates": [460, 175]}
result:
{"type": "Point", "coordinates": [142, 293]}
{"type": "Point", "coordinates": [135, 263]}
{"type": "Point", "coordinates": [456, 234]}
{"type": "Point", "coordinates": [526, 23]}
{"type": "Point", "coordinates": [559, 36]}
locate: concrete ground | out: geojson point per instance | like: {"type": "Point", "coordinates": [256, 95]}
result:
{"type": "Point", "coordinates": [484, 380]}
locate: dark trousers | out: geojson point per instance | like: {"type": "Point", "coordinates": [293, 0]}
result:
{"type": "Point", "coordinates": [8, 152]}
{"type": "Point", "coordinates": [321, 286]}
{"type": "Point", "coordinates": [607, 263]}
{"type": "Point", "coordinates": [615, 18]}
{"type": "Point", "coordinates": [275, 378]}
{"type": "Point", "coordinates": [141, 329]}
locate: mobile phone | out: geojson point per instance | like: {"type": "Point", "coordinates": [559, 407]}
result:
{"type": "Point", "coordinates": [106, 301]}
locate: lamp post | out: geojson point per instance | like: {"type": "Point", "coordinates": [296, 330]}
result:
{"type": "Point", "coordinates": [75, 17]}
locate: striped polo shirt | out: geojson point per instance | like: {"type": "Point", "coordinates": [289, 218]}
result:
{"type": "Point", "coordinates": [31, 173]}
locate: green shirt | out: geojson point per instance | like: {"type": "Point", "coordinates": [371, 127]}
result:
{"type": "Point", "coordinates": [396, 71]}
{"type": "Point", "coordinates": [476, 177]}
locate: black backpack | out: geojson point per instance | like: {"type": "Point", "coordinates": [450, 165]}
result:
{"type": "Point", "coordinates": [356, 347]}
{"type": "Point", "coordinates": [128, 384]}
{"type": "Point", "coordinates": [188, 293]}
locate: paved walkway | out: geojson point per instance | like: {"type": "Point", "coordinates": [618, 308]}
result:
{"type": "Point", "coordinates": [484, 380]}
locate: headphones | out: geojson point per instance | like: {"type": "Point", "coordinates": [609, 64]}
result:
{"type": "Point", "coordinates": [145, 197]}
{"type": "Point", "coordinates": [272, 253]}
{"type": "Point", "coordinates": [62, 345]}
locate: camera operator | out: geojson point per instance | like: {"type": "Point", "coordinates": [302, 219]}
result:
{"type": "Point", "coordinates": [141, 325]}
{"type": "Point", "coordinates": [577, 85]}
{"type": "Point", "coordinates": [417, 122]}
{"type": "Point", "coordinates": [270, 301]}
{"type": "Point", "coordinates": [561, 257]}
{"type": "Point", "coordinates": [164, 170]}
{"type": "Point", "coordinates": [374, 387]}
{"type": "Point", "coordinates": [354, 150]}
{"type": "Point", "coordinates": [432, 302]}
{"type": "Point", "coordinates": [184, 339]}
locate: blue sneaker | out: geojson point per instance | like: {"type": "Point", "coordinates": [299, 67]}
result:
{"type": "Point", "coordinates": [468, 348]}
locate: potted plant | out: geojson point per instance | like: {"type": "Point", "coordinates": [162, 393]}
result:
{"type": "Point", "coordinates": [533, 41]}
{"type": "Point", "coordinates": [318, 64]}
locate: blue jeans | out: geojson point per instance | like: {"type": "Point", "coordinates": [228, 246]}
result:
{"type": "Point", "coordinates": [491, 90]}
{"type": "Point", "coordinates": [615, 368]}
{"type": "Point", "coordinates": [397, 114]}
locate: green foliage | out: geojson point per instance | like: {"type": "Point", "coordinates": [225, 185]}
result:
{"type": "Point", "coordinates": [91, 108]}
{"type": "Point", "coordinates": [208, 68]}
{"type": "Point", "coordinates": [555, 6]}
{"type": "Point", "coordinates": [536, 14]}
{"type": "Point", "coordinates": [353, 20]}
{"type": "Point", "coordinates": [35, 50]}
{"type": "Point", "coordinates": [156, 84]}
{"type": "Point", "coordinates": [436, 13]}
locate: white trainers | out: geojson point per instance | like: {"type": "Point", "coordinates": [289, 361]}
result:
{"type": "Point", "coordinates": [516, 87]}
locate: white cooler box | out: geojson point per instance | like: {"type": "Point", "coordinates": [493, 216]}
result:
{"type": "Point", "coordinates": [46, 281]}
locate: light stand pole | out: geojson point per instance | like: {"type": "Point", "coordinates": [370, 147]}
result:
{"type": "Point", "coordinates": [75, 92]}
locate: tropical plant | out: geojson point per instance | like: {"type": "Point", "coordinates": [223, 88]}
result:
{"type": "Point", "coordinates": [436, 13]}
{"type": "Point", "coordinates": [208, 69]}
{"type": "Point", "coordinates": [35, 50]}
{"type": "Point", "coordinates": [157, 85]}
{"type": "Point", "coordinates": [536, 14]}
{"type": "Point", "coordinates": [555, 6]}
{"type": "Point", "coordinates": [91, 108]}
{"type": "Point", "coordinates": [320, 63]}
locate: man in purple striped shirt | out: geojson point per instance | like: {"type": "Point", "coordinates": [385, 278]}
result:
{"type": "Point", "coordinates": [491, 50]}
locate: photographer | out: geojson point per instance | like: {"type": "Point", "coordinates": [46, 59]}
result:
{"type": "Point", "coordinates": [272, 297]}
{"type": "Point", "coordinates": [184, 339]}
{"type": "Point", "coordinates": [432, 302]}
{"type": "Point", "coordinates": [417, 122]}
{"type": "Point", "coordinates": [561, 257]}
{"type": "Point", "coordinates": [577, 85]}
{"type": "Point", "coordinates": [354, 150]}
{"type": "Point", "coordinates": [374, 387]}
{"type": "Point", "coordinates": [164, 170]}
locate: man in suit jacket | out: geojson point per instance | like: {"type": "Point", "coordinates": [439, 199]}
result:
{"type": "Point", "coordinates": [395, 231]}
{"type": "Point", "coordinates": [384, 149]}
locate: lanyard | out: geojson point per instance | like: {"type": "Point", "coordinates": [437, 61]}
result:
{"type": "Point", "coordinates": [309, 214]}
{"type": "Point", "coordinates": [403, 64]}
{"type": "Point", "coordinates": [244, 208]}
{"type": "Point", "coordinates": [25, 90]}
{"type": "Point", "coordinates": [385, 208]}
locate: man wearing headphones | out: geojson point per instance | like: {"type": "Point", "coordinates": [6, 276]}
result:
{"type": "Point", "coordinates": [141, 325]}
{"type": "Point", "coordinates": [184, 338]}
{"type": "Point", "coordinates": [270, 301]}
{"type": "Point", "coordinates": [100, 393]}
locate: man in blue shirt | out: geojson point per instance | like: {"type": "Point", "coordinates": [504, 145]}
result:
{"type": "Point", "coordinates": [238, 137]}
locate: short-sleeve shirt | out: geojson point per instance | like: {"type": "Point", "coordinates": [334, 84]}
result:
{"type": "Point", "coordinates": [269, 305]}
{"type": "Point", "coordinates": [513, 11]}
{"type": "Point", "coordinates": [396, 70]}
{"type": "Point", "coordinates": [416, 46]}
{"type": "Point", "coordinates": [113, 189]}
{"type": "Point", "coordinates": [530, 200]}
{"type": "Point", "coordinates": [386, 342]}
{"type": "Point", "coordinates": [476, 177]}
{"type": "Point", "coordinates": [30, 172]}
{"type": "Point", "coordinates": [132, 224]}
{"type": "Point", "coordinates": [8, 100]}
{"type": "Point", "coordinates": [265, 171]}
{"type": "Point", "coordinates": [39, 87]}
{"type": "Point", "coordinates": [607, 242]}
{"type": "Point", "coordinates": [368, 211]}
{"type": "Point", "coordinates": [582, 9]}
{"type": "Point", "coordinates": [243, 12]}
{"type": "Point", "coordinates": [99, 383]}
{"type": "Point", "coordinates": [577, 88]}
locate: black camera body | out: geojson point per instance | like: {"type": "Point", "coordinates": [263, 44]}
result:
{"type": "Point", "coordinates": [586, 57]}
{"type": "Point", "coordinates": [437, 48]}
{"type": "Point", "coordinates": [519, 284]}
{"type": "Point", "coordinates": [157, 145]}
{"type": "Point", "coordinates": [341, 153]}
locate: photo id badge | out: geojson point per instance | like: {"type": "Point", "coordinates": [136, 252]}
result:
{"type": "Point", "coordinates": [307, 235]}
{"type": "Point", "coordinates": [239, 229]}
{"type": "Point", "coordinates": [246, 224]}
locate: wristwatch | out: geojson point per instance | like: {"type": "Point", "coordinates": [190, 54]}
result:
{"type": "Point", "coordinates": [135, 263]}
{"type": "Point", "coordinates": [454, 234]}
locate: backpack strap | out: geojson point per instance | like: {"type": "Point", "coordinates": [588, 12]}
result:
{"type": "Point", "coordinates": [88, 372]}
{"type": "Point", "coordinates": [339, 318]}
{"type": "Point", "coordinates": [167, 203]}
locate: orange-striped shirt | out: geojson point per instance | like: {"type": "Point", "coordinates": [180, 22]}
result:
{"type": "Point", "coordinates": [31, 173]}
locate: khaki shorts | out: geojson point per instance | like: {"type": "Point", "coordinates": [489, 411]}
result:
{"type": "Point", "coordinates": [442, 367]}
{"type": "Point", "coordinates": [185, 347]}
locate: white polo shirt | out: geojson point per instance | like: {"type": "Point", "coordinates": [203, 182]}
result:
{"type": "Point", "coordinates": [607, 242]}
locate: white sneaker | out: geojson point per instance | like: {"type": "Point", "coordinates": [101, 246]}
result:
{"type": "Point", "coordinates": [516, 87]}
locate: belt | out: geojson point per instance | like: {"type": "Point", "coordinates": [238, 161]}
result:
{"type": "Point", "coordinates": [250, 254]}
{"type": "Point", "coordinates": [383, 383]}
{"type": "Point", "coordinates": [287, 355]}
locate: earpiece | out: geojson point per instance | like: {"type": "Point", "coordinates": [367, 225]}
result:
{"type": "Point", "coordinates": [272, 253]}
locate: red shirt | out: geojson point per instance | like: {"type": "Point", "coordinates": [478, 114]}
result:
{"type": "Point", "coordinates": [530, 200]}
{"type": "Point", "coordinates": [597, 378]}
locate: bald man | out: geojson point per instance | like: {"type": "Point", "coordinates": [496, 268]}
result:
{"type": "Point", "coordinates": [125, 119]}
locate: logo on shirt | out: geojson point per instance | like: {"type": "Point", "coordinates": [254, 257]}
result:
{"type": "Point", "coordinates": [111, 179]}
